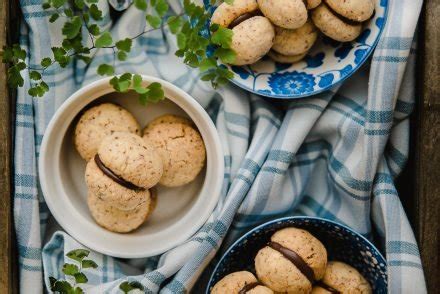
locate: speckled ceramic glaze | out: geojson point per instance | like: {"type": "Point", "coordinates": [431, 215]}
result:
{"type": "Point", "coordinates": [342, 244]}
{"type": "Point", "coordinates": [326, 65]}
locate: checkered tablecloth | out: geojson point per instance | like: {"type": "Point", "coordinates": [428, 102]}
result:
{"type": "Point", "coordinates": [335, 155]}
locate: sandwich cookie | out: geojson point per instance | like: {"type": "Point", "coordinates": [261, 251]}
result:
{"type": "Point", "coordinates": [240, 283]}
{"type": "Point", "coordinates": [291, 262]}
{"type": "Point", "coordinates": [123, 170]}
{"type": "Point", "coordinates": [334, 26]}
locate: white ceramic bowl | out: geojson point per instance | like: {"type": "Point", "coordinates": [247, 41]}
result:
{"type": "Point", "coordinates": [180, 211]}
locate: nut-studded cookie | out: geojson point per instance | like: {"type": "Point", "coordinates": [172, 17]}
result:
{"type": "Point", "coordinates": [123, 170]}
{"type": "Point", "coordinates": [289, 14]}
{"type": "Point", "coordinates": [355, 10]}
{"type": "Point", "coordinates": [340, 277]}
{"type": "Point", "coordinates": [97, 123]}
{"type": "Point", "coordinates": [252, 39]}
{"type": "Point", "coordinates": [333, 26]}
{"type": "Point", "coordinates": [295, 42]}
{"type": "Point", "coordinates": [226, 13]}
{"type": "Point", "coordinates": [182, 150]}
{"type": "Point", "coordinates": [280, 58]}
{"type": "Point", "coordinates": [238, 283]}
{"type": "Point", "coordinates": [116, 220]}
{"type": "Point", "coordinates": [291, 262]}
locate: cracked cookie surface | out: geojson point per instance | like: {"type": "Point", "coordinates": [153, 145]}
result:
{"type": "Point", "coordinates": [98, 122]}
{"type": "Point", "coordinates": [182, 150]}
{"type": "Point", "coordinates": [114, 219]}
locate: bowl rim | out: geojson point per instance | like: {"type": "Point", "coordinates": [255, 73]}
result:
{"type": "Point", "coordinates": [332, 85]}
{"type": "Point", "coordinates": [98, 89]}
{"type": "Point", "coordinates": [283, 219]}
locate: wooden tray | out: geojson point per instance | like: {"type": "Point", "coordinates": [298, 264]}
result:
{"type": "Point", "coordinates": [419, 185]}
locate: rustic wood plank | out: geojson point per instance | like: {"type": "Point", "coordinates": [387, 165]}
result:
{"type": "Point", "coordinates": [6, 237]}
{"type": "Point", "coordinates": [427, 202]}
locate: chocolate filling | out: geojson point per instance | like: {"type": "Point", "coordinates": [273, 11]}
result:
{"type": "Point", "coordinates": [109, 173]}
{"type": "Point", "coordinates": [343, 18]}
{"type": "Point", "coordinates": [248, 287]}
{"type": "Point", "coordinates": [293, 257]}
{"type": "Point", "coordinates": [244, 17]}
{"type": "Point", "coordinates": [327, 287]}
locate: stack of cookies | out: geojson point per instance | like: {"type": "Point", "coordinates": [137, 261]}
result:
{"type": "Point", "coordinates": [294, 261]}
{"type": "Point", "coordinates": [287, 29]}
{"type": "Point", "coordinates": [123, 168]}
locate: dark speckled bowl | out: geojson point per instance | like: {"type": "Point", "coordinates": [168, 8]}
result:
{"type": "Point", "coordinates": [342, 243]}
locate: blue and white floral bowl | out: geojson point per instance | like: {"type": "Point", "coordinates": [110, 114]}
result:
{"type": "Point", "coordinates": [327, 64]}
{"type": "Point", "coordinates": [341, 242]}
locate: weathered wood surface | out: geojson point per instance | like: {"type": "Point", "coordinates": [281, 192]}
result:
{"type": "Point", "coordinates": [6, 238]}
{"type": "Point", "coordinates": [420, 183]}
{"type": "Point", "coordinates": [426, 210]}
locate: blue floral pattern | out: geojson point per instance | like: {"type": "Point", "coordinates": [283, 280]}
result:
{"type": "Point", "coordinates": [291, 83]}
{"type": "Point", "coordinates": [326, 65]}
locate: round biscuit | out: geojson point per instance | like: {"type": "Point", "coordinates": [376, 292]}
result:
{"type": "Point", "coordinates": [226, 13]}
{"type": "Point", "coordinates": [289, 14]}
{"type": "Point", "coordinates": [356, 10]}
{"type": "Point", "coordinates": [182, 150]}
{"type": "Point", "coordinates": [115, 219]}
{"type": "Point", "coordinates": [295, 42]}
{"type": "Point", "coordinates": [98, 122]}
{"type": "Point", "coordinates": [280, 58]}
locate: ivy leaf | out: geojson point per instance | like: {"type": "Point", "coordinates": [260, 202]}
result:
{"type": "Point", "coordinates": [52, 281]}
{"type": "Point", "coordinates": [225, 55]}
{"type": "Point", "coordinates": [61, 286]}
{"type": "Point", "coordinates": [68, 12]}
{"type": "Point", "coordinates": [70, 269]}
{"type": "Point", "coordinates": [140, 4]}
{"type": "Point", "coordinates": [161, 7]}
{"type": "Point", "coordinates": [58, 3]}
{"type": "Point", "coordinates": [79, 4]}
{"type": "Point", "coordinates": [7, 55]}
{"type": "Point", "coordinates": [14, 77]}
{"type": "Point", "coordinates": [46, 5]}
{"type": "Point", "coordinates": [124, 45]}
{"type": "Point", "coordinates": [104, 40]}
{"type": "Point", "coordinates": [154, 21]}
{"type": "Point", "coordinates": [181, 40]}
{"type": "Point", "coordinates": [174, 23]}
{"type": "Point", "coordinates": [156, 92]}
{"type": "Point", "coordinates": [105, 69]}
{"type": "Point", "coordinates": [94, 29]}
{"type": "Point", "coordinates": [207, 64]}
{"type": "Point", "coordinates": [137, 81]}
{"type": "Point", "coordinates": [72, 28]}
{"type": "Point", "coordinates": [222, 37]}
{"type": "Point", "coordinates": [129, 286]}
{"type": "Point", "coordinates": [78, 290]}
{"type": "Point", "coordinates": [88, 263]}
{"type": "Point", "coordinates": [80, 278]}
{"type": "Point", "coordinates": [35, 75]}
{"type": "Point", "coordinates": [122, 55]}
{"type": "Point", "coordinates": [78, 254]}
{"type": "Point", "coordinates": [53, 17]}
{"type": "Point", "coordinates": [95, 13]}
{"type": "Point", "coordinates": [45, 62]}
{"type": "Point", "coordinates": [18, 52]}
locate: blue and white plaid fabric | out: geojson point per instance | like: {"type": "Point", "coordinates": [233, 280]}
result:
{"type": "Point", "coordinates": [334, 155]}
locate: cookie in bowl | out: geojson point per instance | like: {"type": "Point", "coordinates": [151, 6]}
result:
{"type": "Point", "coordinates": [181, 148]}
{"type": "Point", "coordinates": [340, 277]}
{"type": "Point", "coordinates": [253, 34]}
{"type": "Point", "coordinates": [291, 262]}
{"type": "Point", "coordinates": [115, 219]}
{"type": "Point", "coordinates": [289, 14]}
{"type": "Point", "coordinates": [240, 283]}
{"type": "Point", "coordinates": [291, 46]}
{"type": "Point", "coordinates": [123, 170]}
{"type": "Point", "coordinates": [98, 122]}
